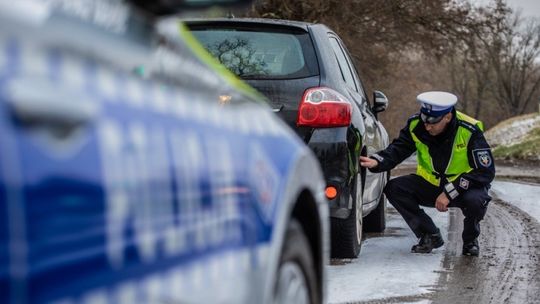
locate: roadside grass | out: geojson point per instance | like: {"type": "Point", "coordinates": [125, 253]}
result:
{"type": "Point", "coordinates": [527, 149]}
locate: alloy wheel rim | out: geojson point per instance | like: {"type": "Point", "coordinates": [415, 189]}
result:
{"type": "Point", "coordinates": [291, 285]}
{"type": "Point", "coordinates": [358, 224]}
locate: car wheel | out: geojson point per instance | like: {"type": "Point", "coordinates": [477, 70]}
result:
{"type": "Point", "coordinates": [296, 281]}
{"type": "Point", "coordinates": [376, 220]}
{"type": "Point", "coordinates": [347, 233]}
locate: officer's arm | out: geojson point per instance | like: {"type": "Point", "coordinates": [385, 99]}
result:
{"type": "Point", "coordinates": [400, 148]}
{"type": "Point", "coordinates": [481, 160]}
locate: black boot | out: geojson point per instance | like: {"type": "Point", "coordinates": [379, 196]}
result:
{"type": "Point", "coordinates": [471, 248]}
{"type": "Point", "coordinates": [428, 242]}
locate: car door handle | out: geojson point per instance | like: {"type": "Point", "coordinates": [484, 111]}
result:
{"type": "Point", "coordinates": [42, 103]}
{"type": "Point", "coordinates": [278, 109]}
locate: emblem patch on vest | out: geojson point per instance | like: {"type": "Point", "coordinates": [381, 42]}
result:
{"type": "Point", "coordinates": [463, 183]}
{"type": "Point", "coordinates": [482, 158]}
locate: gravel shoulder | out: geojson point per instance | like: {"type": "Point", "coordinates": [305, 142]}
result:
{"type": "Point", "coordinates": [527, 171]}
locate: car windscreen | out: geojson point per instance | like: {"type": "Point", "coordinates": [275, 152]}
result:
{"type": "Point", "coordinates": [260, 54]}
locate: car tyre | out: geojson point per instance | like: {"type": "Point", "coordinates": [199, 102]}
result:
{"type": "Point", "coordinates": [376, 220]}
{"type": "Point", "coordinates": [296, 281]}
{"type": "Point", "coordinates": [346, 233]}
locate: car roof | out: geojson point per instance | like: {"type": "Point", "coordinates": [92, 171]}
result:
{"type": "Point", "coordinates": [250, 21]}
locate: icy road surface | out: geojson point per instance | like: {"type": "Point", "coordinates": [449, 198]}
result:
{"type": "Point", "coordinates": [507, 271]}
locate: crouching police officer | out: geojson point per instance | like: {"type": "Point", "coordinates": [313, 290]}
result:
{"type": "Point", "coordinates": [455, 169]}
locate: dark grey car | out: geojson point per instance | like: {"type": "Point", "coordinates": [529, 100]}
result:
{"type": "Point", "coordinates": [307, 73]}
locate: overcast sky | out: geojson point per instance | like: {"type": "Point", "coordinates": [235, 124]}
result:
{"type": "Point", "coordinates": [528, 7]}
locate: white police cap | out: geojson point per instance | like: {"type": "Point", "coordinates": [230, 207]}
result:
{"type": "Point", "coordinates": [436, 103]}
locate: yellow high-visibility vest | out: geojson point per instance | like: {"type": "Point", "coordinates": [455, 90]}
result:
{"type": "Point", "coordinates": [459, 160]}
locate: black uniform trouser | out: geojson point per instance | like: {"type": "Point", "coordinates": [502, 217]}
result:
{"type": "Point", "coordinates": [407, 193]}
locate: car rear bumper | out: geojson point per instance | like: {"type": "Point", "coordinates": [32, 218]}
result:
{"type": "Point", "coordinates": [333, 155]}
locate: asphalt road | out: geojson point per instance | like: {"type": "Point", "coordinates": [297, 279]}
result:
{"type": "Point", "coordinates": [508, 269]}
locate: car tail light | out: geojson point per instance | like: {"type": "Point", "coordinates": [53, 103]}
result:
{"type": "Point", "coordinates": [323, 108]}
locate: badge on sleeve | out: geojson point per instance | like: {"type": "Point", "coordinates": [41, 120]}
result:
{"type": "Point", "coordinates": [378, 157]}
{"type": "Point", "coordinates": [463, 183]}
{"type": "Point", "coordinates": [482, 158]}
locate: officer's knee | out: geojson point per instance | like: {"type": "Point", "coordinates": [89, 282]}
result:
{"type": "Point", "coordinates": [475, 203]}
{"type": "Point", "coordinates": [390, 188]}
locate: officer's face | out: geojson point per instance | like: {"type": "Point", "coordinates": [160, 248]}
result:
{"type": "Point", "coordinates": [437, 128]}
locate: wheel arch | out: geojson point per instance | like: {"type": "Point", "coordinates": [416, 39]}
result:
{"type": "Point", "coordinates": [303, 200]}
{"type": "Point", "coordinates": [363, 171]}
{"type": "Point", "coordinates": [306, 212]}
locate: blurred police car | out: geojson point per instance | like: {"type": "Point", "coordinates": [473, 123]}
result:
{"type": "Point", "coordinates": [134, 170]}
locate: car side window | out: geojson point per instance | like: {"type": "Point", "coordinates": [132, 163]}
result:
{"type": "Point", "coordinates": [354, 72]}
{"type": "Point", "coordinates": [343, 65]}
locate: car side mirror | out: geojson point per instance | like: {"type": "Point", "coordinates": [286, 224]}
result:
{"type": "Point", "coordinates": [380, 102]}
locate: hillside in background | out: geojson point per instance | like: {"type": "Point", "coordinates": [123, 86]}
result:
{"type": "Point", "coordinates": [517, 138]}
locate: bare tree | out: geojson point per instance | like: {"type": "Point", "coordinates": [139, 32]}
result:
{"type": "Point", "coordinates": [404, 46]}
{"type": "Point", "coordinates": [378, 33]}
{"type": "Point", "coordinates": [496, 69]}
{"type": "Point", "coordinates": [515, 53]}
{"type": "Point", "coordinates": [238, 56]}
{"type": "Point", "coordinates": [469, 65]}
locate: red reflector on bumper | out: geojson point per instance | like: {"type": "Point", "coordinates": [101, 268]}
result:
{"type": "Point", "coordinates": [331, 192]}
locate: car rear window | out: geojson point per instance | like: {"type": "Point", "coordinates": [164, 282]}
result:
{"type": "Point", "coordinates": [260, 54]}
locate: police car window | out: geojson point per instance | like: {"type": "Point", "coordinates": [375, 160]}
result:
{"type": "Point", "coordinates": [342, 61]}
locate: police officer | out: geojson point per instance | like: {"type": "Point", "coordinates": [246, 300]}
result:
{"type": "Point", "coordinates": [455, 169]}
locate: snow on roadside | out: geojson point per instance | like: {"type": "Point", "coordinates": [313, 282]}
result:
{"type": "Point", "coordinates": [386, 267]}
{"type": "Point", "coordinates": [524, 196]}
{"type": "Point", "coordinates": [513, 131]}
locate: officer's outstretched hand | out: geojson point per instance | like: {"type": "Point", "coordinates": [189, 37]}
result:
{"type": "Point", "coordinates": [368, 162]}
{"type": "Point", "coordinates": [442, 202]}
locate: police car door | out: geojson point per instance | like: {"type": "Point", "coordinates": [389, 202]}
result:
{"type": "Point", "coordinates": [116, 191]}
{"type": "Point", "coordinates": [70, 107]}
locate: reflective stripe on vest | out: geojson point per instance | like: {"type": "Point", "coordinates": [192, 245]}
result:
{"type": "Point", "coordinates": [459, 160]}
